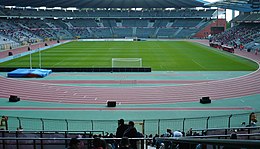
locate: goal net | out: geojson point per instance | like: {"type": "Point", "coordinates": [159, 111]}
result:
{"type": "Point", "coordinates": [127, 62]}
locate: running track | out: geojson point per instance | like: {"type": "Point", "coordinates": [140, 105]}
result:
{"type": "Point", "coordinates": [44, 92]}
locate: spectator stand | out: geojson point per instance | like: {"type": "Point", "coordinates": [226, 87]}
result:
{"type": "Point", "coordinates": [211, 141]}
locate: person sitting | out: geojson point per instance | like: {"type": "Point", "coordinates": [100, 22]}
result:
{"type": "Point", "coordinates": [253, 119]}
{"type": "Point", "coordinates": [3, 123]}
{"type": "Point", "coordinates": [189, 132]}
{"type": "Point", "coordinates": [81, 143]}
{"type": "Point", "coordinates": [99, 143]}
{"type": "Point", "coordinates": [74, 144]}
{"type": "Point", "coordinates": [177, 134]}
{"type": "Point", "coordinates": [168, 133]}
{"type": "Point", "coordinates": [232, 136]}
{"type": "Point", "coordinates": [167, 143]}
{"type": "Point", "coordinates": [124, 143]}
{"type": "Point", "coordinates": [155, 142]}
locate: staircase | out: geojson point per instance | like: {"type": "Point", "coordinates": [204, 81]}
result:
{"type": "Point", "coordinates": [70, 26]}
{"type": "Point", "coordinates": [90, 31]}
{"type": "Point", "coordinates": [178, 31]}
{"type": "Point", "coordinates": [156, 31]}
{"type": "Point", "coordinates": [119, 24]}
{"type": "Point", "coordinates": [150, 24]}
{"type": "Point", "coordinates": [51, 25]}
{"type": "Point", "coordinates": [134, 31]}
{"type": "Point", "coordinates": [169, 24]}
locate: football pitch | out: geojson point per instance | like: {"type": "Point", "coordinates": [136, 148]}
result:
{"type": "Point", "coordinates": [159, 55]}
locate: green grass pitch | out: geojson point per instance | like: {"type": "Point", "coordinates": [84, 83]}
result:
{"type": "Point", "coordinates": [159, 55]}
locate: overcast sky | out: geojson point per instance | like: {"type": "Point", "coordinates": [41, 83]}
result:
{"type": "Point", "coordinates": [212, 0]}
{"type": "Point", "coordinates": [229, 12]}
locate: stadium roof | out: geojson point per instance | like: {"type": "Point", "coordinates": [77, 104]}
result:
{"type": "Point", "coordinates": [240, 5]}
{"type": "Point", "coordinates": [105, 3]}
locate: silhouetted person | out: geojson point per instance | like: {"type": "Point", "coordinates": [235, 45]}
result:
{"type": "Point", "coordinates": [232, 136]}
{"type": "Point", "coordinates": [74, 144]}
{"type": "Point", "coordinates": [99, 143]}
{"type": "Point", "coordinates": [189, 132]}
{"type": "Point", "coordinates": [124, 143]}
{"type": "Point", "coordinates": [3, 123]}
{"type": "Point", "coordinates": [121, 128]}
{"type": "Point", "coordinates": [252, 119]}
{"type": "Point", "coordinates": [131, 132]}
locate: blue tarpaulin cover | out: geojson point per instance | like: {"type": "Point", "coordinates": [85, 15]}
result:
{"type": "Point", "coordinates": [29, 73]}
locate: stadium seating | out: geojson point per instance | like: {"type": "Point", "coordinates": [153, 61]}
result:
{"type": "Point", "coordinates": [246, 34]}
{"type": "Point", "coordinates": [21, 26]}
{"type": "Point", "coordinates": [120, 24]}
{"type": "Point", "coordinates": [100, 24]}
{"type": "Point", "coordinates": [6, 43]}
{"type": "Point", "coordinates": [247, 17]}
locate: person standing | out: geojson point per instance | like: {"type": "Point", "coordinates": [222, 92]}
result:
{"type": "Point", "coordinates": [131, 132]}
{"type": "Point", "coordinates": [122, 127]}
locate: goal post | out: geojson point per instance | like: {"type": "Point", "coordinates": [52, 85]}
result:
{"type": "Point", "coordinates": [127, 62]}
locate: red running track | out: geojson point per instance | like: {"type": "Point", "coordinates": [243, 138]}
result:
{"type": "Point", "coordinates": [44, 92]}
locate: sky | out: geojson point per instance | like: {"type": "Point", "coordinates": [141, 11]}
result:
{"type": "Point", "coordinates": [228, 11]}
{"type": "Point", "coordinates": [212, 0]}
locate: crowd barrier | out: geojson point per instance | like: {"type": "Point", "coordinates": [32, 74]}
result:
{"type": "Point", "coordinates": [148, 126]}
{"type": "Point", "coordinates": [214, 141]}
{"type": "Point", "coordinates": [11, 56]}
{"type": "Point", "coordinates": [223, 47]}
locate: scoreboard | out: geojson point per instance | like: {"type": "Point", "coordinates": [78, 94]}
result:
{"type": "Point", "coordinates": [215, 30]}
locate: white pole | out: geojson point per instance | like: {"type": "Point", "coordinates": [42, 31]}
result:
{"type": "Point", "coordinates": [30, 59]}
{"type": "Point", "coordinates": [40, 59]}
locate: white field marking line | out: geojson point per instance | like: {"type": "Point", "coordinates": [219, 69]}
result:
{"type": "Point", "coordinates": [257, 71]}
{"type": "Point", "coordinates": [161, 66]}
{"type": "Point", "coordinates": [58, 63]}
{"type": "Point", "coordinates": [198, 64]}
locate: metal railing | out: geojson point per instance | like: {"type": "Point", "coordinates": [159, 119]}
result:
{"type": "Point", "coordinates": [48, 135]}
{"type": "Point", "coordinates": [228, 130]}
{"type": "Point", "coordinates": [214, 141]}
{"type": "Point", "coordinates": [149, 126]}
{"type": "Point", "coordinates": [8, 46]}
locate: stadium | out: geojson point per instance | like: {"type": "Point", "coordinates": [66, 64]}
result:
{"type": "Point", "coordinates": [74, 68]}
